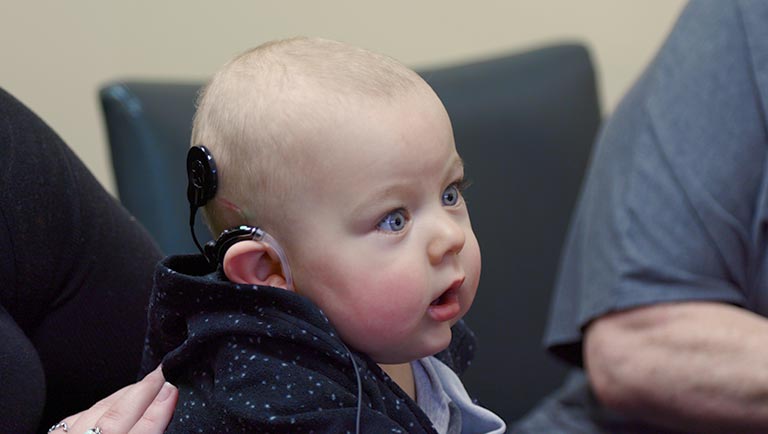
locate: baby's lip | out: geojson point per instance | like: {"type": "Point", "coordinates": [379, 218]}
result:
{"type": "Point", "coordinates": [446, 307]}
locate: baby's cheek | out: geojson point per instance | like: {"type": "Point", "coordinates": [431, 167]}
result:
{"type": "Point", "coordinates": [472, 266]}
{"type": "Point", "coordinates": [387, 315]}
{"type": "Point", "coordinates": [392, 308]}
{"type": "Point", "coordinates": [471, 257]}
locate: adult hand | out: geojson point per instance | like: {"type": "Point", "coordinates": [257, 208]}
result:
{"type": "Point", "coordinates": [145, 407]}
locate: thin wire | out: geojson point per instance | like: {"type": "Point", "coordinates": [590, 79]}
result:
{"type": "Point", "coordinates": [192, 212]}
{"type": "Point", "coordinates": [359, 390]}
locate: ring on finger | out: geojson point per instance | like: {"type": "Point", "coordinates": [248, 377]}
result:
{"type": "Point", "coordinates": [63, 425]}
{"type": "Point", "coordinates": [94, 430]}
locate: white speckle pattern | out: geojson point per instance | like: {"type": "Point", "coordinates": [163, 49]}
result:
{"type": "Point", "coordinates": [263, 360]}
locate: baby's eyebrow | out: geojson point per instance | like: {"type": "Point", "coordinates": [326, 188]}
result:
{"type": "Point", "coordinates": [459, 163]}
{"type": "Point", "coordinates": [392, 190]}
{"type": "Point", "coordinates": [378, 196]}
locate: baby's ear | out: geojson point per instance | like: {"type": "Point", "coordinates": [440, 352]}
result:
{"type": "Point", "coordinates": [254, 263]}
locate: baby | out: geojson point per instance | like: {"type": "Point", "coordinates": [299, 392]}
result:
{"type": "Point", "coordinates": [346, 159]}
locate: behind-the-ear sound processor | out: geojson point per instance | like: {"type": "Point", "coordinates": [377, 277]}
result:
{"type": "Point", "coordinates": [202, 177]}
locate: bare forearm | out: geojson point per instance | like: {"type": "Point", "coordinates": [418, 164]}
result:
{"type": "Point", "coordinates": [693, 366]}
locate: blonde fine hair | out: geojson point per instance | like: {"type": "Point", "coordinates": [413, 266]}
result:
{"type": "Point", "coordinates": [253, 112]}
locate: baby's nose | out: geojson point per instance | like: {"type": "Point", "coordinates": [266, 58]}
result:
{"type": "Point", "coordinates": [447, 240]}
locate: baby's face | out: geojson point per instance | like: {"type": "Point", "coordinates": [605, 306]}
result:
{"type": "Point", "coordinates": [383, 242]}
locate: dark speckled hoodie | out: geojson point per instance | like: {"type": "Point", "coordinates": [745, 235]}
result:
{"type": "Point", "coordinates": [260, 359]}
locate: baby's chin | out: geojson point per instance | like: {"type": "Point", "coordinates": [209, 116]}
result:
{"type": "Point", "coordinates": [394, 354]}
{"type": "Point", "coordinates": [454, 321]}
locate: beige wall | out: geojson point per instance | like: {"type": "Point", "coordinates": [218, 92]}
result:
{"type": "Point", "coordinates": [56, 54]}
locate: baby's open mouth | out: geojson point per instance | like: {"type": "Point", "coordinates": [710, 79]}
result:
{"type": "Point", "coordinates": [446, 307]}
{"type": "Point", "coordinates": [444, 298]}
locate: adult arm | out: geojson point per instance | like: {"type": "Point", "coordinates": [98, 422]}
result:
{"type": "Point", "coordinates": [668, 238]}
{"type": "Point", "coordinates": [694, 366]}
{"type": "Point", "coordinates": [76, 272]}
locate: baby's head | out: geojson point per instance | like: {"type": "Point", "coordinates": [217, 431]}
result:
{"type": "Point", "coordinates": [347, 159]}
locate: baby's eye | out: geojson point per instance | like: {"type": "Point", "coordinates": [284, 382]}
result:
{"type": "Point", "coordinates": [393, 222]}
{"type": "Point", "coordinates": [451, 195]}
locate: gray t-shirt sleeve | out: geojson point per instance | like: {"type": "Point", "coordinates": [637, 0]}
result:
{"type": "Point", "coordinates": [672, 203]}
